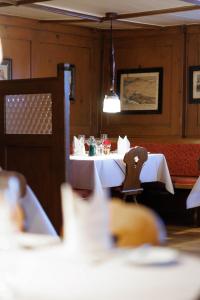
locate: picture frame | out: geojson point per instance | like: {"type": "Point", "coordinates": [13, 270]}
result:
{"type": "Point", "coordinates": [140, 90]}
{"type": "Point", "coordinates": [6, 69]}
{"type": "Point", "coordinates": [70, 68]}
{"type": "Point", "coordinates": [194, 84]}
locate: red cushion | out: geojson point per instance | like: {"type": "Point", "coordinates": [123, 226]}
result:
{"type": "Point", "coordinates": [184, 182]}
{"type": "Point", "coordinates": [181, 158]}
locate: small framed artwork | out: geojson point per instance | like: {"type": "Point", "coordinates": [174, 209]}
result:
{"type": "Point", "coordinates": [6, 69]}
{"type": "Point", "coordinates": [194, 84]}
{"type": "Point", "coordinates": [140, 90]}
{"type": "Point", "coordinates": [71, 73]}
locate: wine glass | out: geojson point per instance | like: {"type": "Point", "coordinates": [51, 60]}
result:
{"type": "Point", "coordinates": [81, 138]}
{"type": "Point", "coordinates": [99, 147]}
{"type": "Point", "coordinates": [103, 137]}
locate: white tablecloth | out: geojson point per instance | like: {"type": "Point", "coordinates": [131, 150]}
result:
{"type": "Point", "coordinates": [108, 171]}
{"type": "Point", "coordinates": [50, 275]}
{"type": "Point", "coordinates": [193, 199]}
{"type": "Point", "coordinates": [36, 220]}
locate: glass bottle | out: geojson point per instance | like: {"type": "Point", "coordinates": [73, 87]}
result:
{"type": "Point", "coordinates": [92, 146]}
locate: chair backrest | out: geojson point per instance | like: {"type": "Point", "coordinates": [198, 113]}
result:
{"type": "Point", "coordinates": [5, 176]}
{"type": "Point", "coordinates": [134, 160]}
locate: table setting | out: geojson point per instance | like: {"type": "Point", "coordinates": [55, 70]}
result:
{"type": "Point", "coordinates": [86, 264]}
{"type": "Point", "coordinates": [106, 169]}
{"type": "Point", "coordinates": [98, 146]}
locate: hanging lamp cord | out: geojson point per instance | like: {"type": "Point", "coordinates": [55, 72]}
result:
{"type": "Point", "coordinates": [112, 59]}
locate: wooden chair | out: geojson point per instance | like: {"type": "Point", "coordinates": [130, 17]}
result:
{"type": "Point", "coordinates": [134, 160]}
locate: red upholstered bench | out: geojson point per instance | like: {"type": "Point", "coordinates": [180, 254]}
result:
{"type": "Point", "coordinates": [182, 160]}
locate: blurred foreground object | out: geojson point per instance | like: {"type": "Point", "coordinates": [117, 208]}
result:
{"type": "Point", "coordinates": [12, 187]}
{"type": "Point", "coordinates": [86, 223]}
{"type": "Point", "coordinates": [135, 225]}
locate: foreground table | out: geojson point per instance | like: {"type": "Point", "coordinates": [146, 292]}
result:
{"type": "Point", "coordinates": [109, 170]}
{"type": "Point", "coordinates": [49, 274]}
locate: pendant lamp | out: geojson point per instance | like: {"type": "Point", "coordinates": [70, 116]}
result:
{"type": "Point", "coordinates": [111, 103]}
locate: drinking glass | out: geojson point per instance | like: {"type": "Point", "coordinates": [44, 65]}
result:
{"type": "Point", "coordinates": [81, 138]}
{"type": "Point", "coordinates": [99, 147]}
{"type": "Point", "coordinates": [104, 137]}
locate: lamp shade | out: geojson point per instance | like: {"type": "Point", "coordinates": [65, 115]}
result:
{"type": "Point", "coordinates": [111, 103]}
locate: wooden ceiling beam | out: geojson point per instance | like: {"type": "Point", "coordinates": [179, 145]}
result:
{"type": "Point", "coordinates": [9, 2]}
{"type": "Point", "coordinates": [65, 12]}
{"type": "Point", "coordinates": [18, 2]}
{"type": "Point", "coordinates": [24, 2]}
{"type": "Point", "coordinates": [155, 12]}
{"type": "Point", "coordinates": [67, 21]}
{"type": "Point", "coordinates": [2, 4]}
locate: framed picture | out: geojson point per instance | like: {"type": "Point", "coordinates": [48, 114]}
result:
{"type": "Point", "coordinates": [194, 84]}
{"type": "Point", "coordinates": [71, 75]}
{"type": "Point", "coordinates": [140, 90]}
{"type": "Point", "coordinates": [6, 69]}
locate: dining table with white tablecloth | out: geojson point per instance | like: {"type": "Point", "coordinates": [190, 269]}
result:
{"type": "Point", "coordinates": [107, 171]}
{"type": "Point", "coordinates": [48, 273]}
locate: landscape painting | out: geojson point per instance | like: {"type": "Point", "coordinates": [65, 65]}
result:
{"type": "Point", "coordinates": [140, 90]}
{"type": "Point", "coordinates": [194, 84]}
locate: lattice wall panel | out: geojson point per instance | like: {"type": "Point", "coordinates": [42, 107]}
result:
{"type": "Point", "coordinates": [28, 114]}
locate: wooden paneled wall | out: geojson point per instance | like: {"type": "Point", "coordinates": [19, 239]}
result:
{"type": "Point", "coordinates": [192, 110]}
{"type": "Point", "coordinates": [36, 49]}
{"type": "Point", "coordinates": [148, 49]}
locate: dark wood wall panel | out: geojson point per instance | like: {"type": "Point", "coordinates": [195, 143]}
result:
{"type": "Point", "coordinates": [192, 114]}
{"type": "Point", "coordinates": [147, 51]}
{"type": "Point", "coordinates": [81, 108]}
{"type": "Point", "coordinates": [25, 160]}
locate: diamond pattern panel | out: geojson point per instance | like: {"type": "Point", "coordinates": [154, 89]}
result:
{"type": "Point", "coordinates": [28, 114]}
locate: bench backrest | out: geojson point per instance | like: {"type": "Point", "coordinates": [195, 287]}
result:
{"type": "Point", "coordinates": [182, 159]}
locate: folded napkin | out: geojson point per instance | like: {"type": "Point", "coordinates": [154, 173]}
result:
{"type": "Point", "coordinates": [123, 145]}
{"type": "Point", "coordinates": [86, 223]}
{"type": "Point", "coordinates": [78, 146]}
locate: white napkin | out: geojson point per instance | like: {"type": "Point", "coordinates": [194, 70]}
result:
{"type": "Point", "coordinates": [86, 223]}
{"type": "Point", "coordinates": [123, 145]}
{"type": "Point", "coordinates": [8, 200]}
{"type": "Point", "coordinates": [78, 146]}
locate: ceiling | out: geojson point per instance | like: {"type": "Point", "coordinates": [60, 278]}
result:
{"type": "Point", "coordinates": [60, 10]}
